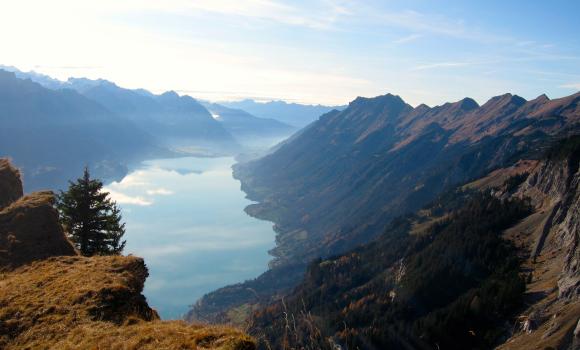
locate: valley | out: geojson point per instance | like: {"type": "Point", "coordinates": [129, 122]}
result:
{"type": "Point", "coordinates": [290, 175]}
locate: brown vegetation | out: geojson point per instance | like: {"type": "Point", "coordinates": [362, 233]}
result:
{"type": "Point", "coordinates": [52, 298]}
{"type": "Point", "coordinates": [94, 303]}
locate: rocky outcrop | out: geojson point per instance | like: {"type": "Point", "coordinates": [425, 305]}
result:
{"type": "Point", "coordinates": [10, 183]}
{"type": "Point", "coordinates": [29, 226]}
{"type": "Point", "coordinates": [30, 231]}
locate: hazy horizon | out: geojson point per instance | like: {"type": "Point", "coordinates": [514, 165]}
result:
{"type": "Point", "coordinates": [321, 52]}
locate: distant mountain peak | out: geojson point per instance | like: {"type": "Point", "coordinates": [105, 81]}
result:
{"type": "Point", "coordinates": [468, 104]}
{"type": "Point", "coordinates": [541, 98]}
{"type": "Point", "coordinates": [382, 99]}
{"type": "Point", "coordinates": [504, 100]}
{"type": "Point", "coordinates": [82, 84]}
{"type": "Point", "coordinates": [169, 94]}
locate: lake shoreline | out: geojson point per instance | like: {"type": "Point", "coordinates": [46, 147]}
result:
{"type": "Point", "coordinates": [185, 216]}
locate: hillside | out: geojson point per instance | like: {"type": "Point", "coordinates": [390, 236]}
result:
{"type": "Point", "coordinates": [473, 270]}
{"type": "Point", "coordinates": [73, 302]}
{"type": "Point", "coordinates": [339, 182]}
{"type": "Point", "coordinates": [51, 134]}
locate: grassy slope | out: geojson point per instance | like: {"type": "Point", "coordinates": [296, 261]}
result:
{"type": "Point", "coordinates": [94, 303]}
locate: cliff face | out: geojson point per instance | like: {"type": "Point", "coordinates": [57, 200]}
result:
{"type": "Point", "coordinates": [554, 186]}
{"type": "Point", "coordinates": [52, 298]}
{"type": "Point", "coordinates": [550, 240]}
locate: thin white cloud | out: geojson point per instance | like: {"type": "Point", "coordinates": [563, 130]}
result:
{"type": "Point", "coordinates": [268, 10]}
{"type": "Point", "coordinates": [159, 192]}
{"type": "Point", "coordinates": [407, 39]}
{"type": "Point", "coordinates": [123, 198]}
{"type": "Point", "coordinates": [424, 23]}
{"type": "Point", "coordinates": [574, 86]}
{"type": "Point", "coordinates": [442, 65]}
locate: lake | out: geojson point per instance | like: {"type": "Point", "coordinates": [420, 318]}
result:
{"type": "Point", "coordinates": [185, 217]}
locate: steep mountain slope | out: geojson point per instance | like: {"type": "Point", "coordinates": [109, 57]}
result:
{"type": "Point", "coordinates": [338, 183]}
{"type": "Point", "coordinates": [246, 128]}
{"type": "Point", "coordinates": [451, 276]}
{"type": "Point", "coordinates": [54, 299]}
{"type": "Point", "coordinates": [52, 134]}
{"type": "Point", "coordinates": [385, 158]}
{"type": "Point", "coordinates": [294, 114]}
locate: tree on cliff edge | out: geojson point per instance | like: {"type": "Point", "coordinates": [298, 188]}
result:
{"type": "Point", "coordinates": [91, 219]}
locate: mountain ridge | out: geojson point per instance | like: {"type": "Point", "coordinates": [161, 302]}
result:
{"type": "Point", "coordinates": [339, 182]}
{"type": "Point", "coordinates": [52, 121]}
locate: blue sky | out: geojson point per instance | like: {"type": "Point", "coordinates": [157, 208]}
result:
{"type": "Point", "coordinates": [322, 51]}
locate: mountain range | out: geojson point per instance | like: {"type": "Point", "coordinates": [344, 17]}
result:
{"type": "Point", "coordinates": [98, 123]}
{"type": "Point", "coordinates": [51, 134]}
{"type": "Point", "coordinates": [340, 183]}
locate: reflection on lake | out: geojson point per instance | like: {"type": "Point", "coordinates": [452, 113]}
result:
{"type": "Point", "coordinates": [185, 217]}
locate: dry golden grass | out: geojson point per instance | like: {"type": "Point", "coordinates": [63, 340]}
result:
{"type": "Point", "coordinates": [52, 298]}
{"type": "Point", "coordinates": [94, 303]}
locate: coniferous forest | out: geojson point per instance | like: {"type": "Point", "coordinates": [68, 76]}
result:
{"type": "Point", "coordinates": [447, 286]}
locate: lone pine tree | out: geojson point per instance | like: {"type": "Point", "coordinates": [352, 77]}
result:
{"type": "Point", "coordinates": [91, 219]}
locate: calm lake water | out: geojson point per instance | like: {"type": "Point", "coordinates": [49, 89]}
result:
{"type": "Point", "coordinates": [186, 218]}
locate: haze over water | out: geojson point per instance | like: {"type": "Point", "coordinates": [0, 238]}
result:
{"type": "Point", "coordinates": [185, 217]}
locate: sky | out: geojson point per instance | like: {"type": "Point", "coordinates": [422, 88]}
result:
{"type": "Point", "coordinates": [317, 51]}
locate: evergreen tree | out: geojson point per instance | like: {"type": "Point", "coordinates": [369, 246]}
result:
{"type": "Point", "coordinates": [91, 218]}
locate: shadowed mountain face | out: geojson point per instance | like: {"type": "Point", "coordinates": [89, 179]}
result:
{"type": "Point", "coordinates": [170, 117]}
{"type": "Point", "coordinates": [451, 276]}
{"type": "Point", "coordinates": [351, 172]}
{"type": "Point", "coordinates": [175, 121]}
{"type": "Point", "coordinates": [339, 182]}
{"type": "Point", "coordinates": [51, 134]}
{"type": "Point", "coordinates": [294, 114]}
